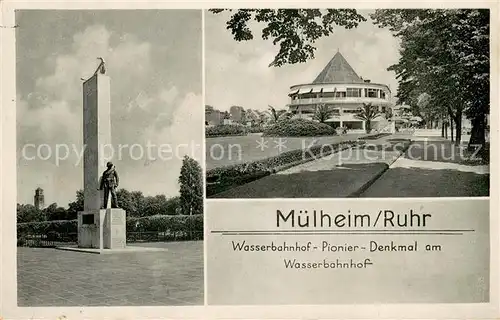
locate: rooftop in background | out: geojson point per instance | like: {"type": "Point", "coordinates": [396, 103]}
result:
{"type": "Point", "coordinates": [338, 70]}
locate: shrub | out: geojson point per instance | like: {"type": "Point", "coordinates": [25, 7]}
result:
{"type": "Point", "coordinates": [225, 130]}
{"type": "Point", "coordinates": [46, 227]}
{"type": "Point", "coordinates": [255, 129]}
{"type": "Point", "coordinates": [299, 128]}
{"type": "Point", "coordinates": [375, 136]}
{"type": "Point", "coordinates": [163, 223]}
{"type": "Point", "coordinates": [165, 227]}
{"type": "Point", "coordinates": [188, 227]}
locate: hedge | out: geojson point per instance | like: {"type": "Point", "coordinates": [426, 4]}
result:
{"type": "Point", "coordinates": [60, 226]}
{"type": "Point", "coordinates": [375, 136]}
{"type": "Point", "coordinates": [157, 223]}
{"type": "Point", "coordinates": [223, 178]}
{"type": "Point", "coordinates": [299, 128]}
{"type": "Point", "coordinates": [225, 130]}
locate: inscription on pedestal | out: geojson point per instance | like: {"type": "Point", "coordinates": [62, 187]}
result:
{"type": "Point", "coordinates": [117, 219]}
{"type": "Point", "coordinates": [87, 219]}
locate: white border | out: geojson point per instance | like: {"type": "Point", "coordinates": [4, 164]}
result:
{"type": "Point", "coordinates": [8, 279]}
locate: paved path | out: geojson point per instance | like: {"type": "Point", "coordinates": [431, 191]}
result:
{"type": "Point", "coordinates": [432, 169]}
{"type": "Point", "coordinates": [51, 277]}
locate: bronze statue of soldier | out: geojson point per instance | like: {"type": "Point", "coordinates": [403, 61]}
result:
{"type": "Point", "coordinates": [109, 183]}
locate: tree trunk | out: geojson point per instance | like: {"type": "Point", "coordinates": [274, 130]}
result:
{"type": "Point", "coordinates": [458, 124]}
{"type": "Point", "coordinates": [477, 133]}
{"type": "Point", "coordinates": [451, 127]}
{"type": "Point", "coordinates": [442, 129]}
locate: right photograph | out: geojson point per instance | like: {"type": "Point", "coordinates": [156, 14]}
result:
{"type": "Point", "coordinates": [345, 103]}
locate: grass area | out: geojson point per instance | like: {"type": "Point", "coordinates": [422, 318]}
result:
{"type": "Point", "coordinates": [416, 182]}
{"type": "Point", "coordinates": [224, 151]}
{"type": "Point", "coordinates": [338, 183]}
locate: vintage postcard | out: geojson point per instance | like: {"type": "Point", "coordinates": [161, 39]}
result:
{"type": "Point", "coordinates": [249, 160]}
{"type": "Point", "coordinates": [348, 156]}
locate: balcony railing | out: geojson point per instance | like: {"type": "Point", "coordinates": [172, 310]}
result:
{"type": "Point", "coordinates": [339, 100]}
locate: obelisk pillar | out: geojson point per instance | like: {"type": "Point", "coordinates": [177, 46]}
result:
{"type": "Point", "coordinates": [96, 136]}
{"type": "Point", "coordinates": [98, 228]}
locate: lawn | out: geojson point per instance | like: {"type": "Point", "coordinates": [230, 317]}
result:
{"type": "Point", "coordinates": [223, 151]}
{"type": "Point", "coordinates": [336, 183]}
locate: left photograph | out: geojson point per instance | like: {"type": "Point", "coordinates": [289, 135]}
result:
{"type": "Point", "coordinates": [109, 147]}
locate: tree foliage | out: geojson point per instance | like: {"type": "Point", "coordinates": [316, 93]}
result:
{"type": "Point", "coordinates": [323, 112]}
{"type": "Point", "coordinates": [191, 187]}
{"type": "Point", "coordinates": [294, 30]}
{"type": "Point", "coordinates": [276, 115]}
{"type": "Point", "coordinates": [29, 213]}
{"type": "Point", "coordinates": [367, 113]}
{"type": "Point", "coordinates": [444, 53]}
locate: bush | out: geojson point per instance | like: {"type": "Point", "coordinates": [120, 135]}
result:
{"type": "Point", "coordinates": [164, 228]}
{"type": "Point", "coordinates": [255, 129]}
{"type": "Point", "coordinates": [375, 136]}
{"type": "Point", "coordinates": [299, 128]}
{"type": "Point", "coordinates": [164, 223]}
{"type": "Point", "coordinates": [179, 225]}
{"type": "Point", "coordinates": [225, 130]}
{"type": "Point", "coordinates": [46, 227]}
{"type": "Point", "coordinates": [223, 178]}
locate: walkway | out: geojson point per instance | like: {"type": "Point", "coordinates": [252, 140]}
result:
{"type": "Point", "coordinates": [432, 169]}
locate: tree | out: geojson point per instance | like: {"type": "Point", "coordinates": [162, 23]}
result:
{"type": "Point", "coordinates": [295, 30]}
{"type": "Point", "coordinates": [367, 113]}
{"type": "Point", "coordinates": [444, 53]}
{"type": "Point", "coordinates": [191, 187]}
{"type": "Point", "coordinates": [173, 206]}
{"type": "Point", "coordinates": [323, 112]}
{"type": "Point", "coordinates": [29, 213]}
{"type": "Point", "coordinates": [75, 206]}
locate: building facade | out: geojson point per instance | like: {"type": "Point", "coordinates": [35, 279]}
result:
{"type": "Point", "coordinates": [340, 88]}
{"type": "Point", "coordinates": [39, 199]}
{"type": "Point", "coordinates": [237, 114]}
{"type": "Point", "coordinates": [213, 117]}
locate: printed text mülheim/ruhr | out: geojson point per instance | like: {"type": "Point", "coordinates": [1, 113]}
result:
{"type": "Point", "coordinates": [320, 219]}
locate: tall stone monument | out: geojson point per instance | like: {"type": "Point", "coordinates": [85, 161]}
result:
{"type": "Point", "coordinates": [98, 228]}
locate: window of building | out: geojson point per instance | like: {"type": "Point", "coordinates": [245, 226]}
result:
{"type": "Point", "coordinates": [308, 112]}
{"type": "Point", "coordinates": [382, 94]}
{"type": "Point", "coordinates": [350, 111]}
{"type": "Point", "coordinates": [340, 95]}
{"type": "Point", "coordinates": [328, 95]}
{"type": "Point", "coordinates": [353, 92]}
{"type": "Point", "coordinates": [372, 93]}
{"type": "Point", "coordinates": [308, 95]}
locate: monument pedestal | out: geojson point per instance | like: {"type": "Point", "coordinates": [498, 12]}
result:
{"type": "Point", "coordinates": [102, 229]}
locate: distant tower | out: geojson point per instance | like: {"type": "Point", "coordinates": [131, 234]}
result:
{"type": "Point", "coordinates": [39, 199]}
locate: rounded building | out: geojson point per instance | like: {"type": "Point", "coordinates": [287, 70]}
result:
{"type": "Point", "coordinates": [339, 87]}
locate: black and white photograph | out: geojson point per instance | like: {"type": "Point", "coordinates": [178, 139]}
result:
{"type": "Point", "coordinates": [109, 176]}
{"type": "Point", "coordinates": [249, 160]}
{"type": "Point", "coordinates": [347, 156]}
{"type": "Point", "coordinates": [343, 103]}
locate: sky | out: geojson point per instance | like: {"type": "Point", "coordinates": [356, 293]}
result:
{"type": "Point", "coordinates": [237, 73]}
{"type": "Point", "coordinates": [154, 60]}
